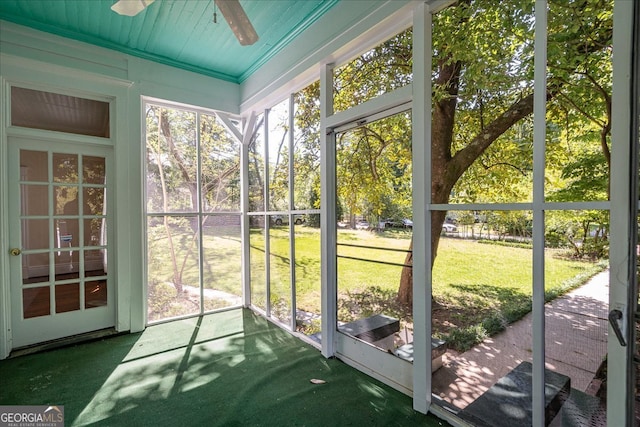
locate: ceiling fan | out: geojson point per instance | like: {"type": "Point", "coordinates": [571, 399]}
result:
{"type": "Point", "coordinates": [231, 10]}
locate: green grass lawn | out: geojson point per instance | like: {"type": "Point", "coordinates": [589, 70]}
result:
{"type": "Point", "coordinates": [477, 288]}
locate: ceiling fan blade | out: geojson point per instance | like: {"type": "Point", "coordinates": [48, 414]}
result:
{"type": "Point", "coordinates": [130, 7]}
{"type": "Point", "coordinates": [238, 21]}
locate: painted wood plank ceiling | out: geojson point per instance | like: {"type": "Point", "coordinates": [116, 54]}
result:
{"type": "Point", "coordinates": [180, 33]}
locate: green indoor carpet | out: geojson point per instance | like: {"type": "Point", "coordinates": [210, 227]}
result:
{"type": "Point", "coordinates": [232, 368]}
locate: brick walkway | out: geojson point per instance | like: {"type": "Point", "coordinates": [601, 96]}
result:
{"type": "Point", "coordinates": [576, 344]}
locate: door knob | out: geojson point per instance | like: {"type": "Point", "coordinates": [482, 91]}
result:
{"type": "Point", "coordinates": [15, 251]}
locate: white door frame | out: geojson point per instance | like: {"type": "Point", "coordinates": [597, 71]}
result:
{"type": "Point", "coordinates": [388, 368]}
{"type": "Point", "coordinates": [127, 205]}
{"type": "Point", "coordinates": [619, 380]}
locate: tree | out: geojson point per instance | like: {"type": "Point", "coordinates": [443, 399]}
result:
{"type": "Point", "coordinates": [306, 154]}
{"type": "Point", "coordinates": [256, 168]}
{"type": "Point", "coordinates": [306, 150]}
{"type": "Point", "coordinates": [373, 166]}
{"type": "Point", "coordinates": [279, 156]}
{"type": "Point", "coordinates": [182, 169]}
{"type": "Point", "coordinates": [479, 99]}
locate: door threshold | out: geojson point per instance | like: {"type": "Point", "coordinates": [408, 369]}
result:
{"type": "Point", "coordinates": [64, 342]}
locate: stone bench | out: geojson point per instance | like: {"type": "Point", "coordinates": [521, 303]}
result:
{"type": "Point", "coordinates": [508, 402]}
{"type": "Point", "coordinates": [438, 348]}
{"type": "Point", "coordinates": [380, 326]}
{"type": "Point", "coordinates": [371, 329]}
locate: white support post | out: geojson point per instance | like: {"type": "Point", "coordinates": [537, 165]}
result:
{"type": "Point", "coordinates": [327, 214]}
{"type": "Point", "coordinates": [539, 141]}
{"type": "Point", "coordinates": [133, 299]}
{"type": "Point", "coordinates": [421, 176]}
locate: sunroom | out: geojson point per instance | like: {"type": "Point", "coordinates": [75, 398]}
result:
{"type": "Point", "coordinates": [442, 195]}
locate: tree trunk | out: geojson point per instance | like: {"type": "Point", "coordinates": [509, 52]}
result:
{"type": "Point", "coordinates": [447, 169]}
{"type": "Point", "coordinates": [443, 176]}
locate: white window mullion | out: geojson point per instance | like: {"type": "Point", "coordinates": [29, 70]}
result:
{"type": "Point", "coordinates": [249, 130]}
{"type": "Point", "coordinates": [539, 138]}
{"type": "Point", "coordinates": [328, 219]}
{"type": "Point", "coordinates": [199, 210]}
{"type": "Point", "coordinates": [292, 234]}
{"type": "Point", "coordinates": [81, 266]}
{"type": "Point", "coordinates": [53, 237]}
{"type": "Point", "coordinates": [267, 218]}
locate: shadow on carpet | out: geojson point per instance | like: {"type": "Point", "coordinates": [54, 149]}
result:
{"type": "Point", "coordinates": [225, 369]}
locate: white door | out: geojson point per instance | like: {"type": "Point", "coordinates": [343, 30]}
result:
{"type": "Point", "coordinates": [59, 223]}
{"type": "Point", "coordinates": [372, 337]}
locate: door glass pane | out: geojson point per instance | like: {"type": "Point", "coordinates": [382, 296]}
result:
{"type": "Point", "coordinates": [35, 268]}
{"type": "Point", "coordinates": [67, 265]}
{"type": "Point", "coordinates": [65, 167]}
{"type": "Point", "coordinates": [67, 233]}
{"type": "Point", "coordinates": [222, 266]}
{"type": "Point", "coordinates": [35, 302]}
{"type": "Point", "coordinates": [34, 166]}
{"type": "Point", "coordinates": [93, 201]}
{"type": "Point", "coordinates": [95, 232]}
{"type": "Point", "coordinates": [95, 262]}
{"type": "Point", "coordinates": [373, 170]}
{"type": "Point", "coordinates": [95, 293]}
{"type": "Point", "coordinates": [67, 297]}
{"type": "Point", "coordinates": [35, 234]}
{"type": "Point", "coordinates": [66, 200]}
{"type": "Point", "coordinates": [34, 199]}
{"type": "Point", "coordinates": [93, 170]}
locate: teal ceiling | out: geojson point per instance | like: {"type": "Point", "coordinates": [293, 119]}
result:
{"type": "Point", "coordinates": [180, 33]}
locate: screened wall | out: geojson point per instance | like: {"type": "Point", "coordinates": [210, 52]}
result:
{"type": "Point", "coordinates": [283, 158]}
{"type": "Point", "coordinates": [435, 209]}
{"type": "Point", "coordinates": [193, 228]}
